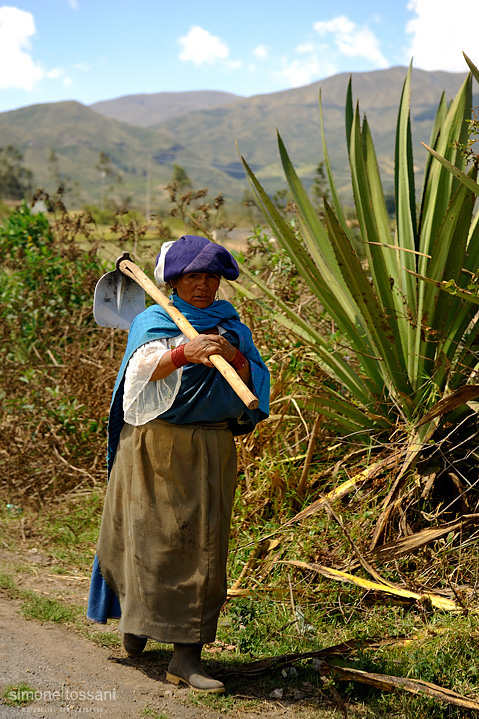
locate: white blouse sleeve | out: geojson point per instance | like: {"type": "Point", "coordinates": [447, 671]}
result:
{"type": "Point", "coordinates": [144, 400]}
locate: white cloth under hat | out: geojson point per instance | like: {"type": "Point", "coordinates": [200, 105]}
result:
{"type": "Point", "coordinates": [160, 265]}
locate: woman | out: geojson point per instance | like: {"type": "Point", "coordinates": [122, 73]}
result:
{"type": "Point", "coordinates": [163, 541]}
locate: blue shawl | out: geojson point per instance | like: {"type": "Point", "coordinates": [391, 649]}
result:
{"type": "Point", "coordinates": [152, 324]}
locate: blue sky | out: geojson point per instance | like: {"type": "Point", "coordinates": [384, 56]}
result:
{"type": "Point", "coordinates": [90, 50]}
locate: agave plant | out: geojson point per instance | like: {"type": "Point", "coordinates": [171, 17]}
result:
{"type": "Point", "coordinates": [409, 343]}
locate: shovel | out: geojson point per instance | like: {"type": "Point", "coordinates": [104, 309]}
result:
{"type": "Point", "coordinates": [120, 296]}
{"type": "Point", "coordinates": [117, 300]}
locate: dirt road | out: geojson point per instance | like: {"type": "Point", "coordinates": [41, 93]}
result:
{"type": "Point", "coordinates": [73, 675]}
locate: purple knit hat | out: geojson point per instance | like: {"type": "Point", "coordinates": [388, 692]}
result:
{"type": "Point", "coordinates": [197, 254]}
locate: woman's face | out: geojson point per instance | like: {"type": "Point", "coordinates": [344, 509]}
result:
{"type": "Point", "coordinates": [197, 288]}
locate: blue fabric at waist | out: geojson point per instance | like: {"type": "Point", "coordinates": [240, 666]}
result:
{"type": "Point", "coordinates": [204, 396]}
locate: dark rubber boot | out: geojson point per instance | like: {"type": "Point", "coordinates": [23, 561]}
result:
{"type": "Point", "coordinates": [133, 645]}
{"type": "Point", "coordinates": [185, 666]}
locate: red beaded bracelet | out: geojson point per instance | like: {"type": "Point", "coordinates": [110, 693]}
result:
{"type": "Point", "coordinates": [178, 356]}
{"type": "Point", "coordinates": [238, 361]}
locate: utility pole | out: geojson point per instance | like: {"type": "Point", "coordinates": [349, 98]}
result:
{"type": "Point", "coordinates": [102, 190]}
{"type": "Point", "coordinates": [148, 191]}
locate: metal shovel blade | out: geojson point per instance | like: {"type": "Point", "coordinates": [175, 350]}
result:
{"type": "Point", "coordinates": [117, 300]}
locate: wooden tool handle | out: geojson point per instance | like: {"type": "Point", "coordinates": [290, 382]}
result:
{"type": "Point", "coordinates": [125, 265]}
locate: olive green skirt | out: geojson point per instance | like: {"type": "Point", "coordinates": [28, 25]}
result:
{"type": "Point", "coordinates": [164, 534]}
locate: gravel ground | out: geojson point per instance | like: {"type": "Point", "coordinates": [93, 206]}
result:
{"type": "Point", "coordinates": [72, 675]}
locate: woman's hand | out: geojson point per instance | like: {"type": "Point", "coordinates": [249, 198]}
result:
{"type": "Point", "coordinates": [199, 349]}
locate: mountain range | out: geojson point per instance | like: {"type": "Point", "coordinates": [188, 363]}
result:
{"type": "Point", "coordinates": [149, 110]}
{"type": "Point", "coordinates": [145, 135]}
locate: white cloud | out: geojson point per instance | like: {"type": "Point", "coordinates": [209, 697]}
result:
{"type": "Point", "coordinates": [441, 32]}
{"type": "Point", "coordinates": [73, 4]}
{"type": "Point", "coordinates": [57, 73]}
{"type": "Point", "coordinates": [324, 55]}
{"type": "Point", "coordinates": [306, 47]}
{"type": "Point", "coordinates": [352, 40]}
{"type": "Point", "coordinates": [297, 73]}
{"type": "Point", "coordinates": [313, 64]}
{"type": "Point", "coordinates": [54, 73]}
{"type": "Point", "coordinates": [17, 68]}
{"type": "Point", "coordinates": [202, 48]}
{"type": "Point", "coordinates": [261, 52]}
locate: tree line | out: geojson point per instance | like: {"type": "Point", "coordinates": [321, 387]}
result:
{"type": "Point", "coordinates": [16, 180]}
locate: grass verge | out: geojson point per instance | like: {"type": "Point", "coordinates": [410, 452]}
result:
{"type": "Point", "coordinates": [18, 695]}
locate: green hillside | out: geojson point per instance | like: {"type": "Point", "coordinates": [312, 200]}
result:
{"type": "Point", "coordinates": [203, 141]}
{"type": "Point", "coordinates": [253, 123]}
{"type": "Point", "coordinates": [77, 134]}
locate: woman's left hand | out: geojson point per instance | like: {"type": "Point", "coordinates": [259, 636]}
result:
{"type": "Point", "coordinates": [218, 345]}
{"type": "Point", "coordinates": [212, 345]}
{"type": "Point", "coordinates": [199, 350]}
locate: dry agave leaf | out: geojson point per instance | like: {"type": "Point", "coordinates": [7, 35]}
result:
{"type": "Point", "coordinates": [362, 560]}
{"type": "Point", "coordinates": [276, 593]}
{"type": "Point", "coordinates": [386, 682]}
{"type": "Point", "coordinates": [412, 450]}
{"type": "Point", "coordinates": [425, 428]}
{"type": "Point", "coordinates": [338, 492]}
{"type": "Point", "coordinates": [461, 396]}
{"type": "Point", "coordinates": [344, 489]}
{"type": "Point", "coordinates": [436, 601]}
{"type": "Point", "coordinates": [408, 544]}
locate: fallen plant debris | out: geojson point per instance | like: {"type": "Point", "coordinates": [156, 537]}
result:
{"type": "Point", "coordinates": [338, 492]}
{"type": "Point", "coordinates": [263, 666]}
{"type": "Point", "coordinates": [383, 682]}
{"type": "Point", "coordinates": [390, 684]}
